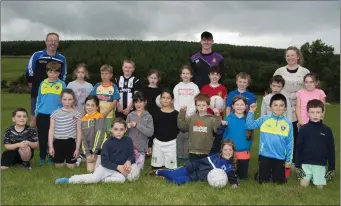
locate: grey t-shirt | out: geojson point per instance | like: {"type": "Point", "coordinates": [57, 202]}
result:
{"type": "Point", "coordinates": [65, 123]}
{"type": "Point", "coordinates": [293, 83]}
{"type": "Point", "coordinates": [82, 91]}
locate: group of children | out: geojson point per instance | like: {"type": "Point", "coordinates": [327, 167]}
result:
{"type": "Point", "coordinates": [114, 125]}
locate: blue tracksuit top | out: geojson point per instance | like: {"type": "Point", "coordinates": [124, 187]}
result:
{"type": "Point", "coordinates": [276, 136]}
{"type": "Point", "coordinates": [236, 130]}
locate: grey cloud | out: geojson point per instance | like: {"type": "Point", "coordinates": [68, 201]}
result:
{"type": "Point", "coordinates": [138, 20]}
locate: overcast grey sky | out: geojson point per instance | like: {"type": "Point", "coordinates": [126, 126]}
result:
{"type": "Point", "coordinates": [264, 23]}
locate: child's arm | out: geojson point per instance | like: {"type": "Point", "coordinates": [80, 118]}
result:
{"type": "Point", "coordinates": [8, 144]}
{"type": "Point", "coordinates": [289, 110]}
{"type": "Point", "coordinates": [33, 141]}
{"type": "Point", "coordinates": [85, 146]}
{"type": "Point", "coordinates": [105, 160]}
{"type": "Point", "coordinates": [78, 139]}
{"type": "Point", "coordinates": [100, 134]}
{"type": "Point", "coordinates": [111, 107]}
{"type": "Point", "coordinates": [298, 148]}
{"type": "Point", "coordinates": [298, 109]}
{"type": "Point", "coordinates": [147, 130]}
{"type": "Point", "coordinates": [50, 140]}
{"type": "Point", "coordinates": [289, 144]}
{"type": "Point", "coordinates": [324, 103]}
{"type": "Point", "coordinates": [252, 124]}
{"type": "Point", "coordinates": [232, 178]}
{"type": "Point", "coordinates": [331, 150]}
{"type": "Point", "coordinates": [176, 99]}
{"type": "Point", "coordinates": [182, 122]}
{"type": "Point", "coordinates": [228, 104]}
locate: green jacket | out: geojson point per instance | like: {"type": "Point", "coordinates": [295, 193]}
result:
{"type": "Point", "coordinates": [200, 131]}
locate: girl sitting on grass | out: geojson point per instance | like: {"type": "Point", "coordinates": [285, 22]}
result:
{"type": "Point", "coordinates": [198, 170]}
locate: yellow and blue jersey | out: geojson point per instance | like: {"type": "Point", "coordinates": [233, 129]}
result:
{"type": "Point", "coordinates": [106, 95]}
{"type": "Point", "coordinates": [48, 98]}
{"type": "Point", "coordinates": [276, 136]}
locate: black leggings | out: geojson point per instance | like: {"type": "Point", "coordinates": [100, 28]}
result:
{"type": "Point", "coordinates": [43, 126]}
{"type": "Point", "coordinates": [294, 125]}
{"type": "Point", "coordinates": [242, 169]}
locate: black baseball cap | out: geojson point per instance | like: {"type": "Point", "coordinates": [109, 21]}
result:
{"type": "Point", "coordinates": [206, 35]}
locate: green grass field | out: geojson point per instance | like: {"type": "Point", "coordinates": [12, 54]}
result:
{"type": "Point", "coordinates": [13, 67]}
{"type": "Point", "coordinates": [37, 187]}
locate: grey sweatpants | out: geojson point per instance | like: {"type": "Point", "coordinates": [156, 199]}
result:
{"type": "Point", "coordinates": [105, 175]}
{"type": "Point", "coordinates": [182, 145]}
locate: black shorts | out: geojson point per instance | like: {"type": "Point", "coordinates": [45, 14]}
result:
{"type": "Point", "coordinates": [12, 157]}
{"type": "Point", "coordinates": [63, 151]}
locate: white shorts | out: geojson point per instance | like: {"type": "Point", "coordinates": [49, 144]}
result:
{"type": "Point", "coordinates": [164, 154]}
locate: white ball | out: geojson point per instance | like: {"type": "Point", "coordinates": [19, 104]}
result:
{"type": "Point", "coordinates": [217, 178]}
{"type": "Point", "coordinates": [134, 173]}
{"type": "Point", "coordinates": [217, 102]}
{"type": "Point", "coordinates": [157, 101]}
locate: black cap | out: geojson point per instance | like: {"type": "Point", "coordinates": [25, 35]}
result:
{"type": "Point", "coordinates": [206, 35]}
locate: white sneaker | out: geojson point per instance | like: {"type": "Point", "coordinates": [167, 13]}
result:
{"type": "Point", "coordinates": [79, 160]}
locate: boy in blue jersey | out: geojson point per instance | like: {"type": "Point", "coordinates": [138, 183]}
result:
{"type": "Point", "coordinates": [243, 80]}
{"type": "Point", "coordinates": [48, 100]}
{"type": "Point", "coordinates": [276, 140]}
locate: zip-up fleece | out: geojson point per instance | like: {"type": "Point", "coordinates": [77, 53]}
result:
{"type": "Point", "coordinates": [93, 133]}
{"type": "Point", "coordinates": [200, 131]}
{"type": "Point", "coordinates": [236, 130]}
{"type": "Point", "coordinates": [143, 130]}
{"type": "Point", "coordinates": [276, 136]}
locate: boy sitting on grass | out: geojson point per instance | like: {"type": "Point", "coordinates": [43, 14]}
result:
{"type": "Point", "coordinates": [20, 141]}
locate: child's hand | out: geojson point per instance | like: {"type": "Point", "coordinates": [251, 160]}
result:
{"type": "Point", "coordinates": [253, 107]}
{"type": "Point", "coordinates": [149, 151]}
{"type": "Point", "coordinates": [183, 108]}
{"type": "Point", "coordinates": [132, 124]}
{"type": "Point", "coordinates": [76, 154]}
{"type": "Point", "coordinates": [51, 151]}
{"type": "Point", "coordinates": [121, 169]}
{"type": "Point", "coordinates": [299, 124]}
{"type": "Point", "coordinates": [127, 166]}
{"type": "Point", "coordinates": [216, 112]}
{"type": "Point", "coordinates": [126, 111]}
{"type": "Point", "coordinates": [119, 108]}
{"type": "Point", "coordinates": [224, 122]}
{"type": "Point", "coordinates": [287, 165]}
{"type": "Point", "coordinates": [235, 186]}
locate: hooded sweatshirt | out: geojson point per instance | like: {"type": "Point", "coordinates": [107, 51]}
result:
{"type": "Point", "coordinates": [143, 130]}
{"type": "Point", "coordinates": [200, 130]}
{"type": "Point", "coordinates": [236, 130]}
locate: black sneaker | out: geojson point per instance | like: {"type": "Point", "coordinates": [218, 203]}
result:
{"type": "Point", "coordinates": [27, 166]}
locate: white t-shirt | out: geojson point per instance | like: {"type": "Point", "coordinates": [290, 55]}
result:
{"type": "Point", "coordinates": [82, 91]}
{"type": "Point", "coordinates": [293, 83]}
{"type": "Point", "coordinates": [184, 94]}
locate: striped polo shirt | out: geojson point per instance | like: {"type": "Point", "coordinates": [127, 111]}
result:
{"type": "Point", "coordinates": [65, 123]}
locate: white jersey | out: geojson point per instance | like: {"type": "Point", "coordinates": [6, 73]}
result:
{"type": "Point", "coordinates": [184, 94]}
